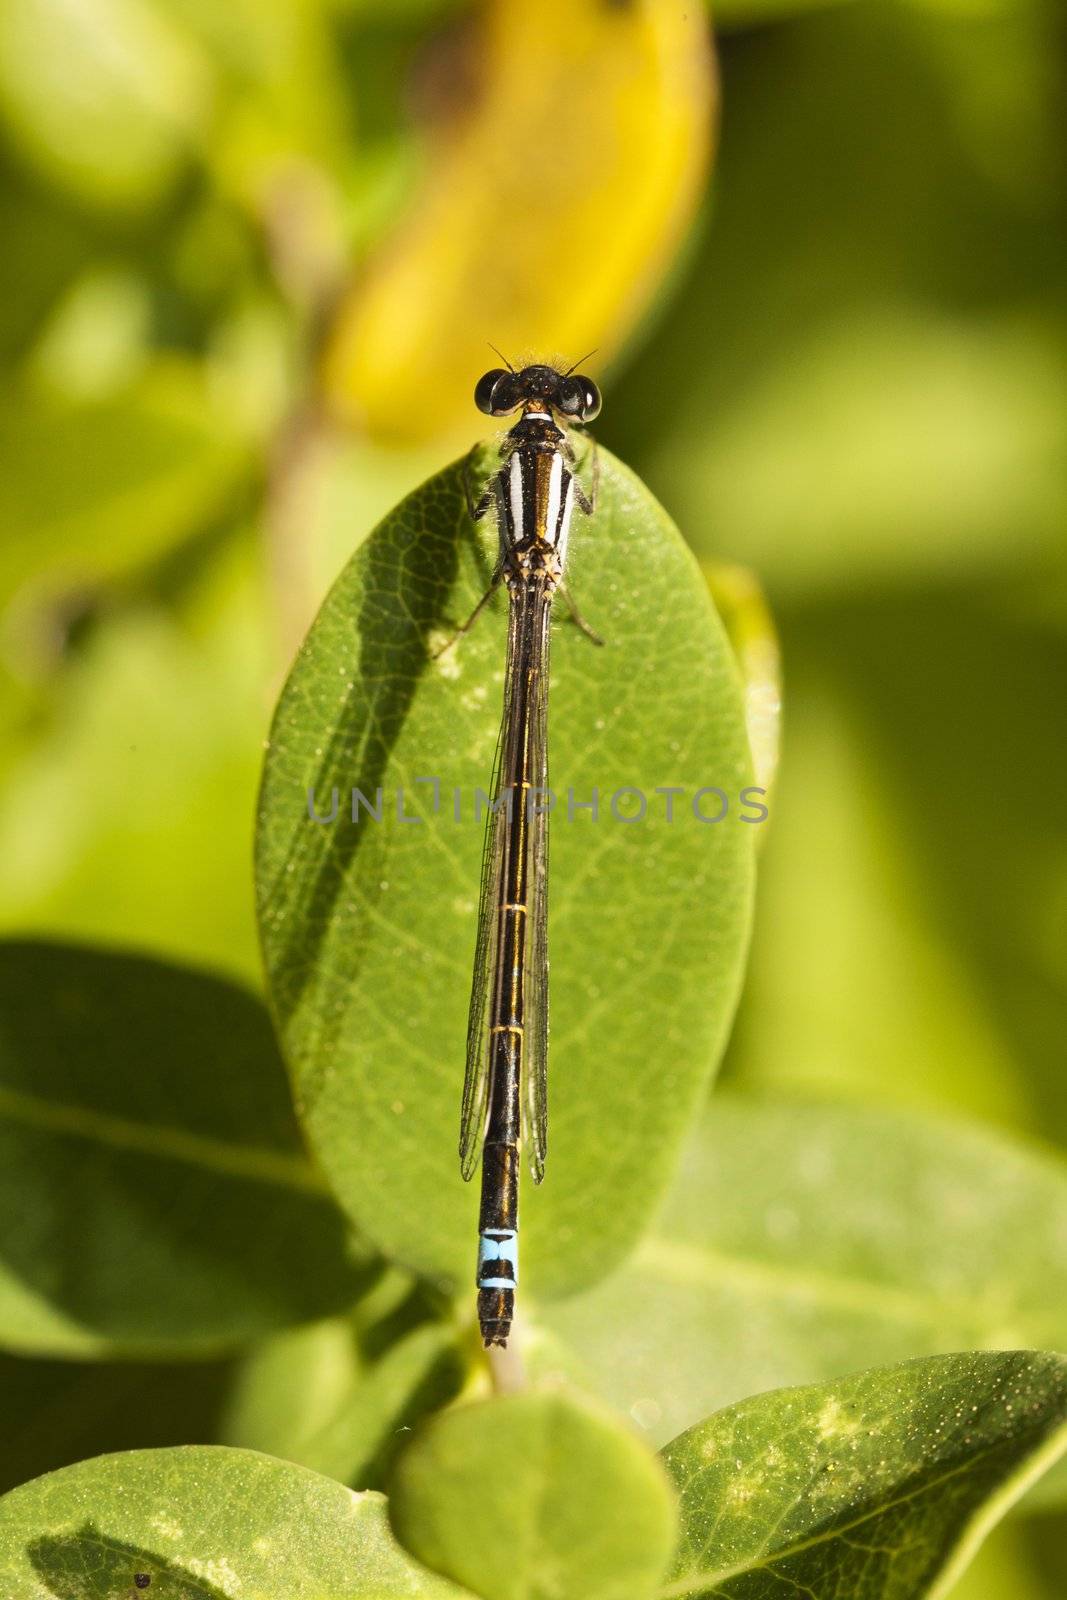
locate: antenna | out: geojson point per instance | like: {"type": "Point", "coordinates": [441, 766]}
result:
{"type": "Point", "coordinates": [579, 361]}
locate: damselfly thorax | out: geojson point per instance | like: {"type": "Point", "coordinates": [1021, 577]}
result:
{"type": "Point", "coordinates": [535, 499]}
{"type": "Point", "coordinates": [505, 1092]}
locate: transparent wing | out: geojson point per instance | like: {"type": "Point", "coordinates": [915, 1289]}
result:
{"type": "Point", "coordinates": [535, 1036]}
{"type": "Point", "coordinates": [476, 1080]}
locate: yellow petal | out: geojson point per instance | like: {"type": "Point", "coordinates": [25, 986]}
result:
{"type": "Point", "coordinates": [550, 211]}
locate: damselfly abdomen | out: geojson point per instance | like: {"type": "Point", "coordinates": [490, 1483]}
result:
{"type": "Point", "coordinates": [505, 1093]}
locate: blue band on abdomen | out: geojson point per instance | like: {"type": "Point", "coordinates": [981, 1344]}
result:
{"type": "Point", "coordinates": [498, 1259]}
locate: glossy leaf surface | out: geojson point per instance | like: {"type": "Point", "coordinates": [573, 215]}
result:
{"type": "Point", "coordinates": [803, 1241]}
{"type": "Point", "coordinates": [535, 1497]}
{"type": "Point", "coordinates": [878, 1487]}
{"type": "Point", "coordinates": [154, 1195]}
{"type": "Point", "coordinates": [369, 929]}
{"type": "Point", "coordinates": [201, 1523]}
{"type": "Point", "coordinates": [313, 1396]}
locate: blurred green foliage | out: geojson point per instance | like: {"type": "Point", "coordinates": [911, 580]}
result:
{"type": "Point", "coordinates": [854, 381]}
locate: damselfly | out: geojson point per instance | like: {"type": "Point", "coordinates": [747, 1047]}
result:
{"type": "Point", "coordinates": [505, 1092]}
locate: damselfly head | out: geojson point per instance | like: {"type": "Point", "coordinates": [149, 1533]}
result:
{"type": "Point", "coordinates": [573, 395]}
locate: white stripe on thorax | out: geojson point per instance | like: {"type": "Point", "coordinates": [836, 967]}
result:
{"type": "Point", "coordinates": [516, 498]}
{"type": "Point", "coordinates": [555, 484]}
{"type": "Point", "coordinates": [565, 522]}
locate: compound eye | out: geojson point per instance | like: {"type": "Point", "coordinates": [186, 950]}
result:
{"type": "Point", "coordinates": [483, 391]}
{"type": "Point", "coordinates": [497, 393]}
{"type": "Point", "coordinates": [579, 397]}
{"type": "Point", "coordinates": [570, 397]}
{"type": "Point", "coordinates": [590, 398]}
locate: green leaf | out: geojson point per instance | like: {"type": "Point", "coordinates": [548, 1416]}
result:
{"type": "Point", "coordinates": [59, 1412]}
{"type": "Point", "coordinates": [878, 1487]}
{"type": "Point", "coordinates": [156, 723]}
{"type": "Point", "coordinates": [154, 1197]}
{"type": "Point", "coordinates": [204, 1524]}
{"type": "Point", "coordinates": [803, 1241]}
{"type": "Point", "coordinates": [89, 491]}
{"type": "Point", "coordinates": [535, 1497]}
{"type": "Point", "coordinates": [421, 1371]}
{"type": "Point", "coordinates": [368, 931]}
{"type": "Point", "coordinates": [290, 1385]}
{"type": "Point", "coordinates": [104, 98]}
{"type": "Point", "coordinates": [313, 1396]}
